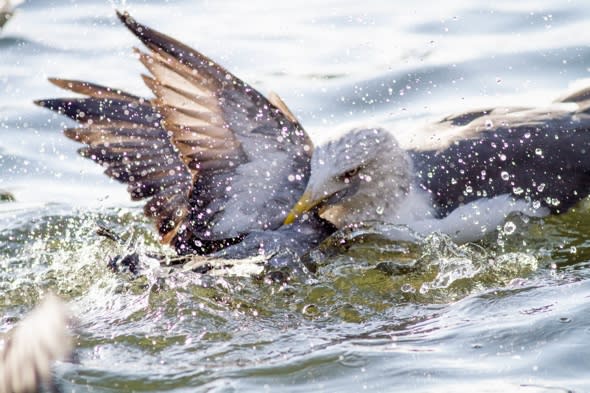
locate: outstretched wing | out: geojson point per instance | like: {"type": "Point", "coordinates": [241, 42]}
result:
{"type": "Point", "coordinates": [540, 155]}
{"type": "Point", "coordinates": [221, 159]}
{"type": "Point", "coordinates": [124, 134]}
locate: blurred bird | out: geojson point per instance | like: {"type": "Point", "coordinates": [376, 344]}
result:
{"type": "Point", "coordinates": [33, 346]}
{"type": "Point", "coordinates": [230, 172]}
{"type": "Point", "coordinates": [7, 10]}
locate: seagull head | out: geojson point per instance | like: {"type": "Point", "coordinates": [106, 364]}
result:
{"type": "Point", "coordinates": [357, 177]}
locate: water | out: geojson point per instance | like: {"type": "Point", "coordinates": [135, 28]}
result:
{"type": "Point", "coordinates": [507, 313]}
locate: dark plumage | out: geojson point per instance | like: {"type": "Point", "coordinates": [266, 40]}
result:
{"type": "Point", "coordinates": [536, 154]}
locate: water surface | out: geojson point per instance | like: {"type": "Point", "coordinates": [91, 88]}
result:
{"type": "Point", "coordinates": [507, 313]}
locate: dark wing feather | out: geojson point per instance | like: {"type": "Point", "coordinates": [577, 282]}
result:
{"type": "Point", "coordinates": [124, 134]}
{"type": "Point", "coordinates": [216, 158]}
{"type": "Point", "coordinates": [540, 155]}
{"type": "Point", "coordinates": [249, 158]}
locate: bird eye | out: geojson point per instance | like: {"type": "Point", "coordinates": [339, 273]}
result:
{"type": "Point", "coordinates": [350, 174]}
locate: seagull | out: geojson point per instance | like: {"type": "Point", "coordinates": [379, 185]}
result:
{"type": "Point", "coordinates": [228, 171]}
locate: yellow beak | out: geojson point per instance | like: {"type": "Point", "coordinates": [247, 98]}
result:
{"type": "Point", "coordinates": [304, 204]}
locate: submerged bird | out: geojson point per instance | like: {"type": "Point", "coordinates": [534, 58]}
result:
{"type": "Point", "coordinates": [227, 171]}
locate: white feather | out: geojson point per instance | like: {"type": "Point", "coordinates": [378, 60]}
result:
{"type": "Point", "coordinates": [468, 222]}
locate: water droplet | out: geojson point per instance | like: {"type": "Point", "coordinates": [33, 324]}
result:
{"type": "Point", "coordinates": [380, 209]}
{"type": "Point", "coordinates": [539, 151]}
{"type": "Point", "coordinates": [573, 250]}
{"type": "Point", "coordinates": [505, 176]}
{"type": "Point", "coordinates": [509, 228]}
{"type": "Point", "coordinates": [536, 204]}
{"type": "Point", "coordinates": [502, 157]}
{"type": "Point", "coordinates": [489, 124]}
{"type": "Point", "coordinates": [424, 288]}
{"type": "Point", "coordinates": [408, 288]}
{"type": "Point", "coordinates": [517, 190]}
{"type": "Point", "coordinates": [541, 187]}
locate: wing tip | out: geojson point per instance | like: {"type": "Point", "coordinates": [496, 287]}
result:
{"type": "Point", "coordinates": [139, 30]}
{"type": "Point", "coordinates": [67, 84]}
{"type": "Point", "coordinates": [53, 104]}
{"type": "Point", "coordinates": [123, 16]}
{"type": "Point", "coordinates": [49, 103]}
{"type": "Point", "coordinates": [58, 81]}
{"type": "Point", "coordinates": [41, 103]}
